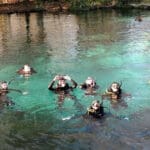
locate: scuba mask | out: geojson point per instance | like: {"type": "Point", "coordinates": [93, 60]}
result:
{"type": "Point", "coordinates": [90, 82]}
{"type": "Point", "coordinates": [95, 105]}
{"type": "Point", "coordinates": [61, 83]}
{"type": "Point", "coordinates": [115, 87]}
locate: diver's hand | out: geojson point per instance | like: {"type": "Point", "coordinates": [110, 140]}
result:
{"type": "Point", "coordinates": [56, 78]}
{"type": "Point", "coordinates": [67, 77]}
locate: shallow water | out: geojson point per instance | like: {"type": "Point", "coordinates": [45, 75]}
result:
{"type": "Point", "coordinates": [107, 45]}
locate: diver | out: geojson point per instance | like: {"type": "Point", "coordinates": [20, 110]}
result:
{"type": "Point", "coordinates": [26, 70]}
{"type": "Point", "coordinates": [90, 86]}
{"type": "Point", "coordinates": [138, 18]}
{"type": "Point", "coordinates": [114, 91]}
{"type": "Point", "coordinates": [4, 88]}
{"type": "Point", "coordinates": [4, 100]}
{"type": "Point", "coordinates": [61, 85]}
{"type": "Point", "coordinates": [96, 110]}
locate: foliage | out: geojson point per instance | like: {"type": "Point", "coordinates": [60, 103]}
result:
{"type": "Point", "coordinates": [126, 2]}
{"type": "Point", "coordinates": [85, 4]}
{"type": "Point", "coordinates": [79, 4]}
{"type": "Point", "coordinates": [106, 2]}
{"type": "Point", "coordinates": [88, 4]}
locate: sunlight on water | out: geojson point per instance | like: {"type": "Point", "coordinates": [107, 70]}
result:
{"type": "Point", "coordinates": [108, 46]}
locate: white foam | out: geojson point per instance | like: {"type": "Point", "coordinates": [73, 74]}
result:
{"type": "Point", "coordinates": [67, 118]}
{"type": "Point", "coordinates": [25, 93]}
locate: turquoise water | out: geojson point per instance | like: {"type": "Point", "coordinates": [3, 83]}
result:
{"type": "Point", "coordinates": [107, 45]}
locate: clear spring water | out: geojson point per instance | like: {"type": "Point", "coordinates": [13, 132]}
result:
{"type": "Point", "coordinates": [107, 45]}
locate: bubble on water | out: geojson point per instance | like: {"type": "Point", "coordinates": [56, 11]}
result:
{"type": "Point", "coordinates": [25, 93]}
{"type": "Point", "coordinates": [126, 118]}
{"type": "Point", "coordinates": [67, 118]}
{"type": "Point", "coordinates": [21, 76]}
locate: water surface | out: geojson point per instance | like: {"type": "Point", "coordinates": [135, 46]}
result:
{"type": "Point", "coordinates": [107, 45]}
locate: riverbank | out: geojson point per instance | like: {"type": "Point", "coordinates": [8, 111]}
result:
{"type": "Point", "coordinates": [60, 7]}
{"type": "Point", "coordinates": [19, 8]}
{"type": "Point", "coordinates": [33, 7]}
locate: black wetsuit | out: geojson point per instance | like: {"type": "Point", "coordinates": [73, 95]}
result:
{"type": "Point", "coordinates": [96, 113]}
{"type": "Point", "coordinates": [59, 88]}
{"type": "Point", "coordinates": [4, 100]}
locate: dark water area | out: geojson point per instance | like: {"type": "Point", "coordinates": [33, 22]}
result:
{"type": "Point", "coordinates": [107, 45]}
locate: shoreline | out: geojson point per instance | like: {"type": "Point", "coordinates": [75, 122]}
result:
{"type": "Point", "coordinates": [55, 7]}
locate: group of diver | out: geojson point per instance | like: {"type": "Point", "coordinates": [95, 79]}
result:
{"type": "Point", "coordinates": [60, 84]}
{"type": "Point", "coordinates": [64, 84]}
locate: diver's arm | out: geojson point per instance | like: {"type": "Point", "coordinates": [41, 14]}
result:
{"type": "Point", "coordinates": [119, 91]}
{"type": "Point", "coordinates": [33, 71]}
{"type": "Point", "coordinates": [120, 84]}
{"type": "Point", "coordinates": [96, 86]}
{"type": "Point", "coordinates": [101, 110]}
{"type": "Point", "coordinates": [50, 86]}
{"type": "Point", "coordinates": [15, 90]}
{"type": "Point", "coordinates": [20, 71]}
{"type": "Point", "coordinates": [108, 91]}
{"type": "Point", "coordinates": [83, 86]}
{"type": "Point", "coordinates": [90, 109]}
{"type": "Point", "coordinates": [74, 83]}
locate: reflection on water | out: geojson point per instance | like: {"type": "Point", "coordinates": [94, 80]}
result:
{"type": "Point", "coordinates": [107, 45]}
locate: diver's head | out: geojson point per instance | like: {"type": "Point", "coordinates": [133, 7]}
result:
{"type": "Point", "coordinates": [95, 105]}
{"type": "Point", "coordinates": [138, 18]}
{"type": "Point", "coordinates": [61, 82]}
{"type": "Point", "coordinates": [115, 86]}
{"type": "Point", "coordinates": [90, 82]}
{"type": "Point", "coordinates": [26, 68]}
{"type": "Point", "coordinates": [4, 85]}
